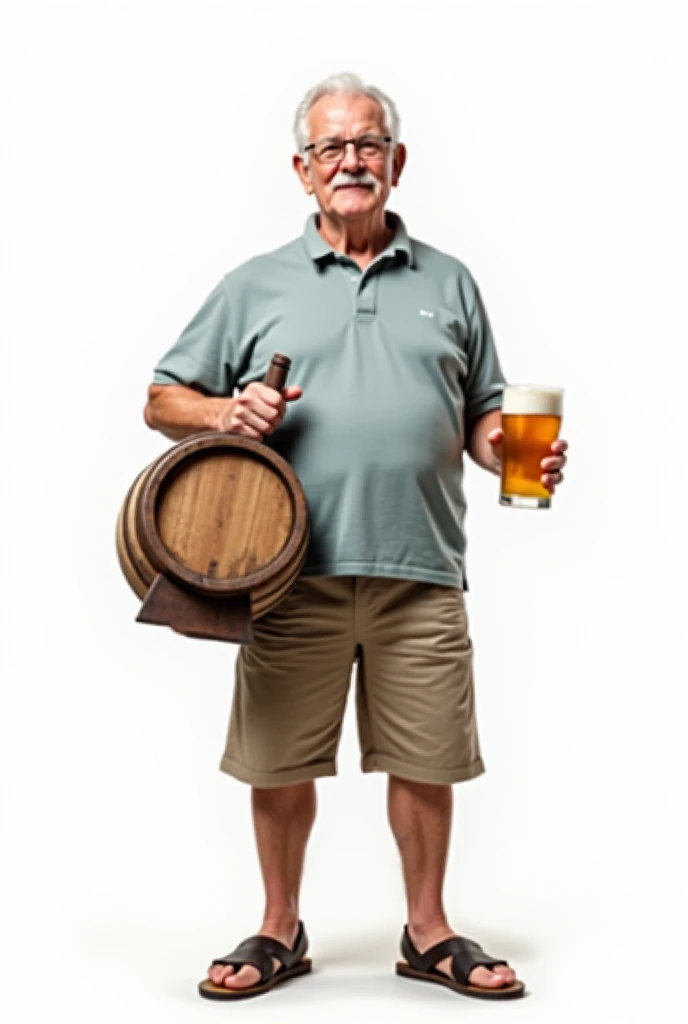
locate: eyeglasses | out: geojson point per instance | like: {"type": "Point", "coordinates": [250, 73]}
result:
{"type": "Point", "coordinates": [368, 147]}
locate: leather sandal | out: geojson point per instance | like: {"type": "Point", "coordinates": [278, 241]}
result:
{"type": "Point", "coordinates": [258, 951]}
{"type": "Point", "coordinates": [465, 955]}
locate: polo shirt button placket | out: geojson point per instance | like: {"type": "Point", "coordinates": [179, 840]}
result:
{"type": "Point", "coordinates": [367, 299]}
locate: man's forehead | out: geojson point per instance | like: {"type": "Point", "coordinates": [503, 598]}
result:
{"type": "Point", "coordinates": [332, 114]}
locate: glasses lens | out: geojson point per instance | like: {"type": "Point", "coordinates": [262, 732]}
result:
{"type": "Point", "coordinates": [371, 147]}
{"type": "Point", "coordinates": [329, 152]}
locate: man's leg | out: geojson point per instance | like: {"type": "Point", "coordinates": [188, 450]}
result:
{"type": "Point", "coordinates": [421, 815]}
{"type": "Point", "coordinates": [282, 818]}
{"type": "Point", "coordinates": [287, 710]}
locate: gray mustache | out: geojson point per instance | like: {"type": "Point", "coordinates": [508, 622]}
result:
{"type": "Point", "coordinates": [344, 178]}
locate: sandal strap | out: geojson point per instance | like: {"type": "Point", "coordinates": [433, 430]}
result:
{"type": "Point", "coordinates": [249, 952]}
{"type": "Point", "coordinates": [469, 956]}
{"type": "Point", "coordinates": [465, 953]}
{"type": "Point", "coordinates": [258, 951]}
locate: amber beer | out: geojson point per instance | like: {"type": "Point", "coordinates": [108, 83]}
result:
{"type": "Point", "coordinates": [531, 418]}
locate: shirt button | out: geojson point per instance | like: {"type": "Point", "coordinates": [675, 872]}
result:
{"type": "Point", "coordinates": [353, 277]}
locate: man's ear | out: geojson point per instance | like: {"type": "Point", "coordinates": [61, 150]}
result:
{"type": "Point", "coordinates": [303, 173]}
{"type": "Point", "coordinates": [400, 154]}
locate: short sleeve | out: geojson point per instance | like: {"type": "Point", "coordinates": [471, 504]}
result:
{"type": "Point", "coordinates": [202, 356]}
{"type": "Point", "coordinates": [485, 380]}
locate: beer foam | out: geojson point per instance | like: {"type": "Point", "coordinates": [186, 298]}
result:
{"type": "Point", "coordinates": [526, 400]}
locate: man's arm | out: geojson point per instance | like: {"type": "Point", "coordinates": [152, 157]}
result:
{"type": "Point", "coordinates": [483, 385]}
{"type": "Point", "coordinates": [177, 411]}
{"type": "Point", "coordinates": [479, 448]}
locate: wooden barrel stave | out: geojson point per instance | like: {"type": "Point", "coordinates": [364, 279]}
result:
{"type": "Point", "coordinates": [131, 573]}
{"type": "Point", "coordinates": [145, 569]}
{"type": "Point", "coordinates": [265, 598]}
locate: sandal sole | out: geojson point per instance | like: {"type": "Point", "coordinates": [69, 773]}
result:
{"type": "Point", "coordinates": [404, 970]}
{"type": "Point", "coordinates": [210, 991]}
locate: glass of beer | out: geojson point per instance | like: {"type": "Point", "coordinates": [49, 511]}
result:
{"type": "Point", "coordinates": [531, 418]}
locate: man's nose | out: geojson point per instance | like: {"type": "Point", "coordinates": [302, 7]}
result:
{"type": "Point", "coordinates": [351, 161]}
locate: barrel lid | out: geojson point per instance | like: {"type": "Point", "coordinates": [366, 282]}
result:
{"type": "Point", "coordinates": [221, 513]}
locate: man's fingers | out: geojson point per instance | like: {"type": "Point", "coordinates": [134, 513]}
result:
{"type": "Point", "coordinates": [243, 430]}
{"type": "Point", "coordinates": [261, 409]}
{"type": "Point", "coordinates": [255, 404]}
{"type": "Point", "coordinates": [272, 397]}
{"type": "Point", "coordinates": [270, 414]}
{"type": "Point", "coordinates": [257, 392]}
{"type": "Point", "coordinates": [249, 422]}
{"type": "Point", "coordinates": [264, 424]}
{"type": "Point", "coordinates": [551, 480]}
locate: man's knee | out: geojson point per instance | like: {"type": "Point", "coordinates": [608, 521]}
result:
{"type": "Point", "coordinates": [284, 799]}
{"type": "Point", "coordinates": [429, 789]}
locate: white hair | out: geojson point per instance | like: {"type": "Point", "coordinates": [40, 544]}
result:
{"type": "Point", "coordinates": [350, 85]}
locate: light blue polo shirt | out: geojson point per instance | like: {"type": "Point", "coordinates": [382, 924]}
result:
{"type": "Point", "coordinates": [396, 362]}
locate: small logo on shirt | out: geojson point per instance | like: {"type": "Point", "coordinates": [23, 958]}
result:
{"type": "Point", "coordinates": [426, 312]}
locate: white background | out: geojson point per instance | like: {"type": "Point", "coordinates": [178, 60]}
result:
{"type": "Point", "coordinates": [147, 151]}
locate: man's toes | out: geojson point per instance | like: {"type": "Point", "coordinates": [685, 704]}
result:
{"type": "Point", "coordinates": [508, 973]}
{"type": "Point", "coordinates": [245, 978]}
{"type": "Point", "coordinates": [217, 973]}
{"type": "Point", "coordinates": [485, 978]}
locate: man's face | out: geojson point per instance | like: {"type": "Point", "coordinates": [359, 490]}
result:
{"type": "Point", "coordinates": [356, 185]}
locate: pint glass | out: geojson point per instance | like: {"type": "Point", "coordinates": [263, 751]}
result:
{"type": "Point", "coordinates": [531, 418]}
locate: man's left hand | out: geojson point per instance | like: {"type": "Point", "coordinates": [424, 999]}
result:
{"type": "Point", "coordinates": [551, 465]}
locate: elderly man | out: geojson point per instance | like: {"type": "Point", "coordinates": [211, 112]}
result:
{"type": "Point", "coordinates": [394, 374]}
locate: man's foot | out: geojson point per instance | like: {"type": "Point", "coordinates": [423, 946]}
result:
{"type": "Point", "coordinates": [248, 976]}
{"type": "Point", "coordinates": [484, 977]}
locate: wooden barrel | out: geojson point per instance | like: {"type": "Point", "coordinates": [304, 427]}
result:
{"type": "Point", "coordinates": [220, 515]}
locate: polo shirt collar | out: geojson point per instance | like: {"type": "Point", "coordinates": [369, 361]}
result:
{"type": "Point", "coordinates": [318, 249]}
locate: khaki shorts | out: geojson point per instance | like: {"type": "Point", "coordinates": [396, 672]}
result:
{"type": "Point", "coordinates": [414, 683]}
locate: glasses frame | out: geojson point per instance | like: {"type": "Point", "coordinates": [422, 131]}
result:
{"type": "Point", "coordinates": [344, 143]}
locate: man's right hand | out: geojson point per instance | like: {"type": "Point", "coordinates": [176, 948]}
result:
{"type": "Point", "coordinates": [257, 411]}
{"type": "Point", "coordinates": [178, 411]}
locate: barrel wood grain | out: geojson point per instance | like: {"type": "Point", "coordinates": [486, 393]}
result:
{"type": "Point", "coordinates": [226, 515]}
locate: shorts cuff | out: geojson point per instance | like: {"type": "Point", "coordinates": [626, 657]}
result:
{"type": "Point", "coordinates": [271, 780]}
{"type": "Point", "coordinates": [415, 773]}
